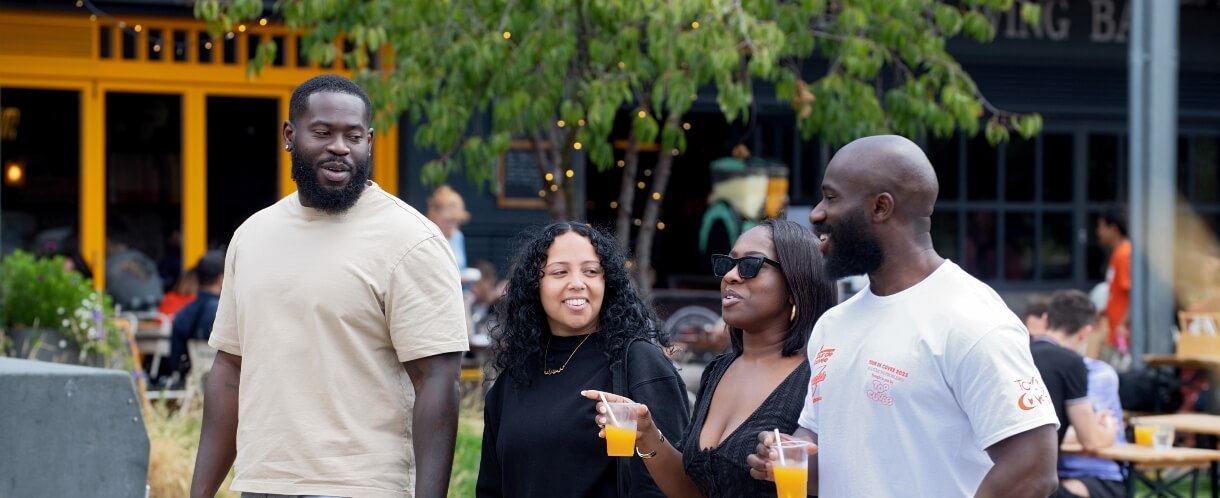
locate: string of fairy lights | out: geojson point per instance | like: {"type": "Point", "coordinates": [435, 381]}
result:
{"type": "Point", "coordinates": [157, 42]}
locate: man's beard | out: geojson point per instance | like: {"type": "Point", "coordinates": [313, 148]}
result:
{"type": "Point", "coordinates": [853, 251]}
{"type": "Point", "coordinates": [329, 201]}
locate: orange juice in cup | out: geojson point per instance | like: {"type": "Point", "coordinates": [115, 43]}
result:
{"type": "Point", "coordinates": [620, 431]}
{"type": "Point", "coordinates": [791, 469]}
{"type": "Point", "coordinates": [791, 481]}
{"type": "Point", "coordinates": [620, 441]}
{"type": "Point", "coordinates": [1143, 434]}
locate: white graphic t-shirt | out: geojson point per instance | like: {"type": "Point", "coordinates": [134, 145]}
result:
{"type": "Point", "coordinates": [907, 391]}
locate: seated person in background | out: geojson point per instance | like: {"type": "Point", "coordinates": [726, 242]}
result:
{"type": "Point", "coordinates": [483, 295]}
{"type": "Point", "coordinates": [1035, 316]}
{"type": "Point", "coordinates": [1069, 320]}
{"type": "Point", "coordinates": [131, 276]}
{"type": "Point", "coordinates": [180, 294]}
{"type": "Point", "coordinates": [195, 320]}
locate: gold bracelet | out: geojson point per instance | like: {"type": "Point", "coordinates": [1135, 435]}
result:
{"type": "Point", "coordinates": [653, 453]}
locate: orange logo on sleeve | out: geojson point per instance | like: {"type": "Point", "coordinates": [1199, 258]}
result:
{"type": "Point", "coordinates": [1032, 393]}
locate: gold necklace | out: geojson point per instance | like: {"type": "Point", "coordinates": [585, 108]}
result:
{"type": "Point", "coordinates": [553, 371]}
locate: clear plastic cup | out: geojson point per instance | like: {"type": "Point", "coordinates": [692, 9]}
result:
{"type": "Point", "coordinates": [791, 469]}
{"type": "Point", "coordinates": [620, 429]}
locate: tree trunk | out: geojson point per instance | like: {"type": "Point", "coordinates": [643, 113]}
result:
{"type": "Point", "coordinates": [652, 213]}
{"type": "Point", "coordinates": [626, 192]}
{"type": "Point", "coordinates": [549, 161]}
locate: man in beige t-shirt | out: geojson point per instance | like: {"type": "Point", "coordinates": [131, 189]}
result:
{"type": "Point", "coordinates": [340, 328]}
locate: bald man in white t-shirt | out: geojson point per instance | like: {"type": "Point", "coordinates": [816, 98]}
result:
{"type": "Point", "coordinates": [922, 383]}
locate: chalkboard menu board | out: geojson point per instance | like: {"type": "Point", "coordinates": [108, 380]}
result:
{"type": "Point", "coordinates": [519, 178]}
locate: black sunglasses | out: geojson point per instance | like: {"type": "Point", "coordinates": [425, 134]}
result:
{"type": "Point", "coordinates": [747, 266]}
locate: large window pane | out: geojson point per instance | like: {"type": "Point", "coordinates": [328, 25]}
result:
{"type": "Point", "coordinates": [944, 156]}
{"type": "Point", "coordinates": [981, 256]}
{"type": "Point", "coordinates": [1103, 168]}
{"type": "Point", "coordinates": [1019, 170]}
{"type": "Point", "coordinates": [1056, 247]}
{"type": "Point", "coordinates": [1205, 164]}
{"type": "Point", "coordinates": [40, 156]}
{"type": "Point", "coordinates": [243, 142]}
{"type": "Point", "coordinates": [980, 169]}
{"type": "Point", "coordinates": [1057, 167]}
{"type": "Point", "coordinates": [1019, 244]}
{"type": "Point", "coordinates": [944, 233]}
{"type": "Point", "coordinates": [143, 195]}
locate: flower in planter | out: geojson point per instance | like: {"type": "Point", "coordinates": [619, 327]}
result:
{"type": "Point", "coordinates": [40, 294]}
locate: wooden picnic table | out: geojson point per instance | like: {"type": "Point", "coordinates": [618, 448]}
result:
{"type": "Point", "coordinates": [1130, 455]}
{"type": "Point", "coordinates": [1195, 423]}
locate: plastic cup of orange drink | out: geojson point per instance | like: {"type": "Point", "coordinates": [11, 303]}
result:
{"type": "Point", "coordinates": [620, 429]}
{"type": "Point", "coordinates": [1144, 434]}
{"type": "Point", "coordinates": [791, 469]}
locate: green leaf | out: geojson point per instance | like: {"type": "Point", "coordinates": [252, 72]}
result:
{"type": "Point", "coordinates": [1031, 13]}
{"type": "Point", "coordinates": [948, 20]}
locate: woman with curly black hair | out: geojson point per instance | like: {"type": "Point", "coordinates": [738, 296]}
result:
{"type": "Point", "coordinates": [773, 288]}
{"type": "Point", "coordinates": [569, 321]}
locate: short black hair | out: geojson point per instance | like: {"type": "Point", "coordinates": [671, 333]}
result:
{"type": "Point", "coordinates": [1116, 217]}
{"type": "Point", "coordinates": [210, 267]}
{"type": "Point", "coordinates": [1037, 306]}
{"type": "Point", "coordinates": [1069, 311]}
{"type": "Point", "coordinates": [332, 83]}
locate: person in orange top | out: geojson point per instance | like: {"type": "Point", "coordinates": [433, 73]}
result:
{"type": "Point", "coordinates": [181, 294]}
{"type": "Point", "coordinates": [1112, 233]}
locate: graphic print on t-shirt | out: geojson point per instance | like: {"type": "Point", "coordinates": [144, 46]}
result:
{"type": "Point", "coordinates": [1032, 393]}
{"type": "Point", "coordinates": [819, 373]}
{"type": "Point", "coordinates": [882, 378]}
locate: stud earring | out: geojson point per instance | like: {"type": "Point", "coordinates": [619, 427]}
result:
{"type": "Point", "coordinates": [287, 147]}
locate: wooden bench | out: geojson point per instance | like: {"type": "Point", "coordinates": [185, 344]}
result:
{"type": "Point", "coordinates": [1135, 458]}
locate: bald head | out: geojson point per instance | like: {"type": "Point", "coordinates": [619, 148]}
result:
{"type": "Point", "coordinates": [888, 163]}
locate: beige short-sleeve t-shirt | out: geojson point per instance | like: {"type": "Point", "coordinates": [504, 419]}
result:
{"type": "Point", "coordinates": [323, 309]}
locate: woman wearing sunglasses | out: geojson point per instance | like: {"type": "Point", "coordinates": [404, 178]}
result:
{"type": "Point", "coordinates": [773, 288]}
{"type": "Point", "coordinates": [570, 320]}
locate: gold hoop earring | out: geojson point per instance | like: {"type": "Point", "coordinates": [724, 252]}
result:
{"type": "Point", "coordinates": [792, 317]}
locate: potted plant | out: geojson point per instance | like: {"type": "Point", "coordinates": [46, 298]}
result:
{"type": "Point", "coordinates": [52, 314]}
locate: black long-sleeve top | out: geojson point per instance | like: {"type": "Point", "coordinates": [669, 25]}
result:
{"type": "Point", "coordinates": [541, 439]}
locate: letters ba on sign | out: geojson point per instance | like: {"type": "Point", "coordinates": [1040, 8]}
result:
{"type": "Point", "coordinates": [1106, 21]}
{"type": "Point", "coordinates": [518, 178]}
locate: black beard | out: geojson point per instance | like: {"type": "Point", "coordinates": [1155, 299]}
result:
{"type": "Point", "coordinates": [854, 250]}
{"type": "Point", "coordinates": [328, 200]}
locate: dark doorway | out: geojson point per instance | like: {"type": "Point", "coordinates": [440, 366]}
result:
{"type": "Point", "coordinates": [143, 189]}
{"type": "Point", "coordinates": [243, 159]}
{"type": "Point", "coordinates": [40, 161]}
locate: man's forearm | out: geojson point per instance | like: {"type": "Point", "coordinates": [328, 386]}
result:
{"type": "Point", "coordinates": [218, 437]}
{"type": "Point", "coordinates": [1023, 465]}
{"type": "Point", "coordinates": [435, 430]}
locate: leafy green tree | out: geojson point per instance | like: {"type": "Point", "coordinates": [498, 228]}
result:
{"type": "Point", "coordinates": [475, 74]}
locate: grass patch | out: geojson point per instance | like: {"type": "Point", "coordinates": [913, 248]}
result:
{"type": "Point", "coordinates": [468, 451]}
{"type": "Point", "coordinates": [173, 440]}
